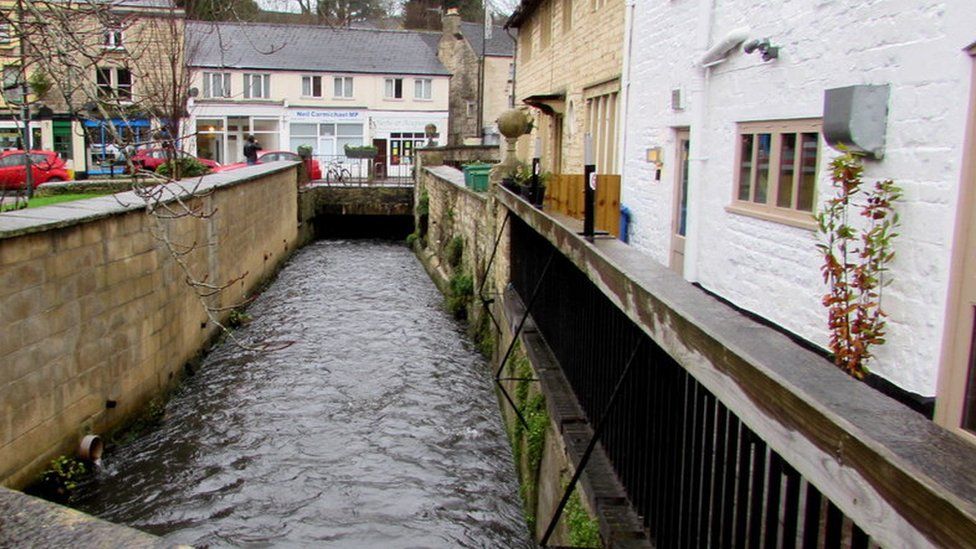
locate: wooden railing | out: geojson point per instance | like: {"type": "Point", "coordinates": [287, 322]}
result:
{"type": "Point", "coordinates": [725, 432]}
{"type": "Point", "coordinates": [564, 194]}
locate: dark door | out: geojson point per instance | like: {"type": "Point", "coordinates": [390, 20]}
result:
{"type": "Point", "coordinates": [379, 162]}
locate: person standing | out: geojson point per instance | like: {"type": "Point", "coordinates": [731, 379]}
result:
{"type": "Point", "coordinates": [251, 149]}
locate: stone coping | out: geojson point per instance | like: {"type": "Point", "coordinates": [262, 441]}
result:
{"type": "Point", "coordinates": [455, 177]}
{"type": "Point", "coordinates": [27, 521]}
{"type": "Point", "coordinates": [56, 216]}
{"type": "Point", "coordinates": [876, 458]}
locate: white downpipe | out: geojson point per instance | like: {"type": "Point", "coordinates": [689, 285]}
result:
{"type": "Point", "coordinates": [698, 153]}
{"type": "Point", "coordinates": [622, 115]}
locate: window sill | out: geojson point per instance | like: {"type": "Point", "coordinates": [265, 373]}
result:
{"type": "Point", "coordinates": [424, 99]}
{"type": "Point", "coordinates": [394, 99]}
{"type": "Point", "coordinates": [337, 98]}
{"type": "Point", "coordinates": [793, 218]}
{"type": "Point", "coordinates": [319, 97]}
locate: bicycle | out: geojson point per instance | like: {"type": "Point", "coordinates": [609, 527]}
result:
{"type": "Point", "coordinates": [336, 172]}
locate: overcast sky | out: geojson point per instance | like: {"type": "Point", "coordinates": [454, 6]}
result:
{"type": "Point", "coordinates": [504, 6]}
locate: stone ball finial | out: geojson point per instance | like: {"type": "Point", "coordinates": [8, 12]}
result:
{"type": "Point", "coordinates": [514, 123]}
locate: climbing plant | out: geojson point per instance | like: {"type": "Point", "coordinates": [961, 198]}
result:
{"type": "Point", "coordinates": [856, 256]}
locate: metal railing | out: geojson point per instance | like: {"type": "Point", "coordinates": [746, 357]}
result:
{"type": "Point", "coordinates": [388, 170]}
{"type": "Point", "coordinates": [693, 470]}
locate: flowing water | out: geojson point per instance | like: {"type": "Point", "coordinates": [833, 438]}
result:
{"type": "Point", "coordinates": [378, 427]}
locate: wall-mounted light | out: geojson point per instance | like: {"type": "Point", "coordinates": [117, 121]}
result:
{"type": "Point", "coordinates": [768, 51]}
{"type": "Point", "coordinates": [654, 157]}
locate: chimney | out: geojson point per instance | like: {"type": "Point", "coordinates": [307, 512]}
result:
{"type": "Point", "coordinates": [451, 23]}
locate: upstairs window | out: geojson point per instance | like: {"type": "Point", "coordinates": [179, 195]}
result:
{"type": "Point", "coordinates": [776, 169]}
{"type": "Point", "coordinates": [342, 87]}
{"type": "Point", "coordinates": [545, 26]}
{"type": "Point", "coordinates": [114, 83]}
{"type": "Point", "coordinates": [422, 88]}
{"type": "Point", "coordinates": [257, 86]}
{"type": "Point", "coordinates": [216, 84]}
{"type": "Point", "coordinates": [4, 34]}
{"type": "Point", "coordinates": [567, 15]}
{"type": "Point", "coordinates": [394, 88]}
{"type": "Point", "coordinates": [112, 37]}
{"type": "Point", "coordinates": [311, 86]}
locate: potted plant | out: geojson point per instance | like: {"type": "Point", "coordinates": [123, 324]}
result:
{"type": "Point", "coordinates": [513, 179]}
{"type": "Point", "coordinates": [365, 151]}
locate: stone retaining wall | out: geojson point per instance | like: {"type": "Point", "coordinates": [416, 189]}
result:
{"type": "Point", "coordinates": [97, 318]}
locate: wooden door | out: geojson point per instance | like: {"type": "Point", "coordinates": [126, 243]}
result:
{"type": "Point", "coordinates": [679, 218]}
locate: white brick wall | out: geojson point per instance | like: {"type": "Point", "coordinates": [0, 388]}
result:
{"type": "Point", "coordinates": [916, 46]}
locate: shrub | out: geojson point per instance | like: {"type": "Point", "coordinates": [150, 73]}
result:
{"type": "Point", "coordinates": [185, 166]}
{"type": "Point", "coordinates": [454, 251]}
{"type": "Point", "coordinates": [462, 290]}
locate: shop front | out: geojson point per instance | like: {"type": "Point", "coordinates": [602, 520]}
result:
{"type": "Point", "coordinates": [399, 133]}
{"type": "Point", "coordinates": [327, 131]}
{"type": "Point", "coordinates": [103, 139]}
{"type": "Point", "coordinates": [220, 130]}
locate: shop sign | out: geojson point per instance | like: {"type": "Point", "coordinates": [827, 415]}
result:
{"type": "Point", "coordinates": [325, 116]}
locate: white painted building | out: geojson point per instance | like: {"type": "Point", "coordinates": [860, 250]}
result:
{"type": "Point", "coordinates": [293, 85]}
{"type": "Point", "coordinates": [753, 244]}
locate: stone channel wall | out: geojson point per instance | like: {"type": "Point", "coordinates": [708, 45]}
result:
{"type": "Point", "coordinates": [542, 455]}
{"type": "Point", "coordinates": [97, 316]}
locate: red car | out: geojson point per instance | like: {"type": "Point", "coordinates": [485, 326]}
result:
{"type": "Point", "coordinates": [46, 166]}
{"type": "Point", "coordinates": [314, 170]}
{"type": "Point", "coordinates": [150, 159]}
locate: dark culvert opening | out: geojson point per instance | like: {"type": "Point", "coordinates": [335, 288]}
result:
{"type": "Point", "coordinates": [391, 227]}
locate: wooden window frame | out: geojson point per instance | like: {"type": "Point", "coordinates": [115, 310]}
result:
{"type": "Point", "coordinates": [959, 339]}
{"type": "Point", "coordinates": [391, 94]}
{"type": "Point", "coordinates": [545, 25]}
{"type": "Point", "coordinates": [311, 86]}
{"type": "Point", "coordinates": [769, 210]}
{"type": "Point", "coordinates": [567, 16]}
{"type": "Point", "coordinates": [265, 79]}
{"type": "Point", "coordinates": [342, 81]}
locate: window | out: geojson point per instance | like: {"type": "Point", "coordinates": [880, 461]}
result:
{"type": "Point", "coordinates": [421, 88]}
{"type": "Point", "coordinates": [327, 140]}
{"type": "Point", "coordinates": [394, 88]}
{"type": "Point", "coordinates": [597, 4]}
{"type": "Point", "coordinates": [4, 34]}
{"type": "Point", "coordinates": [402, 146]}
{"type": "Point", "coordinates": [216, 84]}
{"type": "Point", "coordinates": [342, 86]}
{"type": "Point", "coordinates": [567, 15]}
{"type": "Point", "coordinates": [114, 83]}
{"type": "Point", "coordinates": [257, 86]}
{"type": "Point", "coordinates": [112, 37]}
{"type": "Point", "coordinates": [776, 169]}
{"type": "Point", "coordinates": [311, 86]}
{"type": "Point", "coordinates": [11, 82]}
{"type": "Point", "coordinates": [601, 124]}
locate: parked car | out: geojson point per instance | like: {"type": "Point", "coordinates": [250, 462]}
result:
{"type": "Point", "coordinates": [46, 167]}
{"type": "Point", "coordinates": [150, 159]}
{"type": "Point", "coordinates": [314, 171]}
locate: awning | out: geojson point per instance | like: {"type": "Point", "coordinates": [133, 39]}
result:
{"type": "Point", "coordinates": [135, 123]}
{"type": "Point", "coordinates": [551, 104]}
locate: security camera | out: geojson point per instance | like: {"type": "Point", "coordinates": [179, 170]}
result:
{"type": "Point", "coordinates": [753, 45]}
{"type": "Point", "coordinates": [768, 51]}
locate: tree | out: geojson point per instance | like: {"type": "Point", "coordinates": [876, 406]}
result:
{"type": "Point", "coordinates": [120, 69]}
{"type": "Point", "coordinates": [220, 10]}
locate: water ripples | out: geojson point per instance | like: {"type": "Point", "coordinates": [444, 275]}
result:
{"type": "Point", "coordinates": [377, 428]}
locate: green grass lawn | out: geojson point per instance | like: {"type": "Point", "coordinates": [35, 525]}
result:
{"type": "Point", "coordinates": [54, 199]}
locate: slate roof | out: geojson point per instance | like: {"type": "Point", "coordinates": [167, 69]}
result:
{"type": "Point", "coordinates": [275, 46]}
{"type": "Point", "coordinates": [499, 45]}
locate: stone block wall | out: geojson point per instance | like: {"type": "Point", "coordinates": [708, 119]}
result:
{"type": "Point", "coordinates": [586, 54]}
{"type": "Point", "coordinates": [97, 317]}
{"type": "Point", "coordinates": [770, 268]}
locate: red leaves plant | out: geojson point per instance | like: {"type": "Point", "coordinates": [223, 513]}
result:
{"type": "Point", "coordinates": [855, 262]}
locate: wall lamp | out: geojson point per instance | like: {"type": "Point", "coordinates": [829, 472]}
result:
{"type": "Point", "coordinates": [768, 51]}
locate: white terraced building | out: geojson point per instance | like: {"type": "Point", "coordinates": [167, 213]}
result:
{"type": "Point", "coordinates": [725, 162]}
{"type": "Point", "coordinates": [293, 85]}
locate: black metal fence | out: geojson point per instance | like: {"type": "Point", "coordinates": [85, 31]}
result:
{"type": "Point", "coordinates": [389, 170]}
{"type": "Point", "coordinates": [697, 475]}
